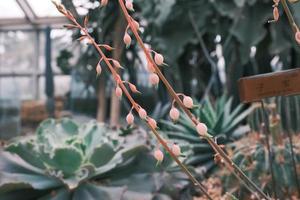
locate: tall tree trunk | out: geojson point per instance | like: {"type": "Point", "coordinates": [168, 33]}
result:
{"type": "Point", "coordinates": [101, 112]}
{"type": "Point", "coordinates": [118, 44]}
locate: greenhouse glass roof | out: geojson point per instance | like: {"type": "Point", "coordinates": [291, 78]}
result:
{"type": "Point", "coordinates": [20, 14]}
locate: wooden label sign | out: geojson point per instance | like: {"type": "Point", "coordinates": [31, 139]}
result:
{"type": "Point", "coordinates": [284, 83]}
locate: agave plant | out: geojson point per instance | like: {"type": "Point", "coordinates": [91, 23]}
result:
{"type": "Point", "coordinates": [223, 122]}
{"type": "Point", "coordinates": [65, 161]}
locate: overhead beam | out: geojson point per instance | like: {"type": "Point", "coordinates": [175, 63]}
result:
{"type": "Point", "coordinates": [28, 11]}
{"type": "Point", "coordinates": [38, 23]}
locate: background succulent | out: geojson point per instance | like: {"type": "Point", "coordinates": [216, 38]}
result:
{"type": "Point", "coordinates": [223, 122]}
{"type": "Point", "coordinates": [66, 161]}
{"type": "Point", "coordinates": [250, 154]}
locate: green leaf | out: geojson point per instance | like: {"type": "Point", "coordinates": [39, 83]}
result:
{"type": "Point", "coordinates": [66, 159]}
{"type": "Point", "coordinates": [101, 155]}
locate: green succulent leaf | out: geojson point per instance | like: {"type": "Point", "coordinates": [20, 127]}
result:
{"type": "Point", "coordinates": [68, 160]}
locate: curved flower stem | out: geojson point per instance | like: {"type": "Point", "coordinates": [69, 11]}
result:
{"type": "Point", "coordinates": [135, 106]}
{"type": "Point", "coordinates": [174, 95]}
{"type": "Point", "coordinates": [290, 16]}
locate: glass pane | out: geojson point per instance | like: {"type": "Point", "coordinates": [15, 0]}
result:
{"type": "Point", "coordinates": [43, 8]}
{"type": "Point", "coordinates": [10, 9]}
{"type": "Point", "coordinates": [17, 51]}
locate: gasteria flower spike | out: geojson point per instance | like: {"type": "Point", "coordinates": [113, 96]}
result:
{"type": "Point", "coordinates": [158, 155]}
{"type": "Point", "coordinates": [176, 150]}
{"type": "Point", "coordinates": [129, 5]}
{"type": "Point", "coordinates": [130, 118]}
{"type": "Point", "coordinates": [152, 123]}
{"type": "Point", "coordinates": [188, 102]}
{"type": "Point", "coordinates": [154, 79]}
{"type": "Point", "coordinates": [201, 129]}
{"type": "Point", "coordinates": [142, 113]}
{"type": "Point", "coordinates": [127, 39]}
{"type": "Point", "coordinates": [118, 92]}
{"type": "Point", "coordinates": [297, 37]}
{"type": "Point", "coordinates": [174, 114]}
{"type": "Point", "coordinates": [159, 59]}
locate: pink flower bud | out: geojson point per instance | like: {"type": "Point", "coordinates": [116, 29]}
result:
{"type": "Point", "coordinates": [176, 150]}
{"type": "Point", "coordinates": [133, 88]}
{"type": "Point", "coordinates": [174, 114]}
{"type": "Point", "coordinates": [201, 129]}
{"type": "Point", "coordinates": [154, 79]}
{"type": "Point", "coordinates": [297, 36]}
{"type": "Point", "coordinates": [104, 2]}
{"type": "Point", "coordinates": [275, 14]}
{"type": "Point", "coordinates": [98, 69]}
{"type": "Point", "coordinates": [119, 92]}
{"type": "Point", "coordinates": [188, 102]}
{"type": "Point", "coordinates": [116, 64]}
{"type": "Point", "coordinates": [127, 39]}
{"type": "Point", "coordinates": [129, 5]}
{"type": "Point", "coordinates": [158, 155]}
{"type": "Point", "coordinates": [136, 25]}
{"type": "Point", "coordinates": [152, 123]}
{"type": "Point", "coordinates": [159, 59]}
{"type": "Point", "coordinates": [130, 118]}
{"type": "Point", "coordinates": [142, 113]}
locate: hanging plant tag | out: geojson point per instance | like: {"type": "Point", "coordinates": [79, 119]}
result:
{"type": "Point", "coordinates": [256, 88]}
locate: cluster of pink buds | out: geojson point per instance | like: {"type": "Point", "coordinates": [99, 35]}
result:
{"type": "Point", "coordinates": [159, 155]}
